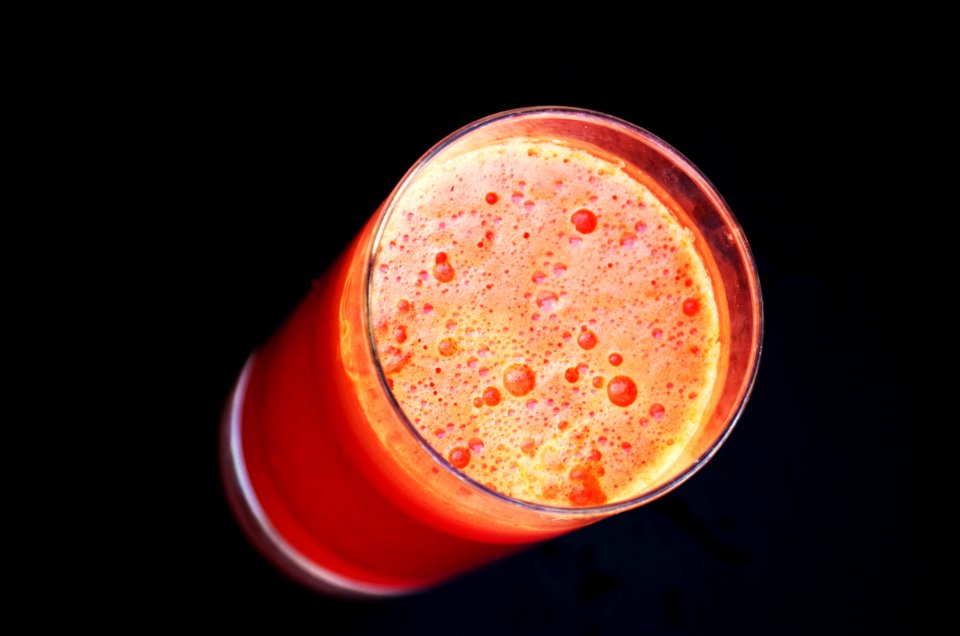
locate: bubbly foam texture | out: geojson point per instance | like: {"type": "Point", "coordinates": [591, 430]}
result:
{"type": "Point", "coordinates": [545, 323]}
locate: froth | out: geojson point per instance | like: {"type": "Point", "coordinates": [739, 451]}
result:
{"type": "Point", "coordinates": [545, 322]}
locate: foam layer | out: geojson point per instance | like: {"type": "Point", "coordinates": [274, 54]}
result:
{"type": "Point", "coordinates": [545, 323]}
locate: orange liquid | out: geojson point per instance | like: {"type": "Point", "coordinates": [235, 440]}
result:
{"type": "Point", "coordinates": [532, 339]}
{"type": "Point", "coordinates": [545, 322]}
{"type": "Point", "coordinates": [305, 471]}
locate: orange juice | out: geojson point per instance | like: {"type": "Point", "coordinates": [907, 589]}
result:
{"type": "Point", "coordinates": [545, 322]}
{"type": "Point", "coordinates": [552, 319]}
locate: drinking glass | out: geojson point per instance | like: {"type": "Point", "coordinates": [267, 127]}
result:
{"type": "Point", "coordinates": [333, 483]}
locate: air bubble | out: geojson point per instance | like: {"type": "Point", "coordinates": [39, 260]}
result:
{"type": "Point", "coordinates": [586, 339]}
{"type": "Point", "coordinates": [491, 396]}
{"type": "Point", "coordinates": [586, 490]}
{"type": "Point", "coordinates": [459, 457]}
{"type": "Point", "coordinates": [442, 269]}
{"type": "Point", "coordinates": [691, 306]}
{"type": "Point", "coordinates": [519, 379]}
{"type": "Point", "coordinates": [622, 390]}
{"type": "Point", "coordinates": [447, 347]}
{"type": "Point", "coordinates": [584, 220]}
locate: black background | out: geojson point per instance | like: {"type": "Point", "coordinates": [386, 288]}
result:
{"type": "Point", "coordinates": [803, 522]}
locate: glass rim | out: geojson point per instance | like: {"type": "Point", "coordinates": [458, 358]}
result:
{"type": "Point", "coordinates": [677, 159]}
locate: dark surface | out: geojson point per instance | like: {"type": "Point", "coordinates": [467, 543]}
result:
{"type": "Point", "coordinates": [803, 521]}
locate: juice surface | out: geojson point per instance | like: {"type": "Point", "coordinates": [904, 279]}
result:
{"type": "Point", "coordinates": [544, 322]}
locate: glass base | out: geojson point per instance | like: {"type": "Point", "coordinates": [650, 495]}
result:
{"type": "Point", "coordinates": [255, 523]}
